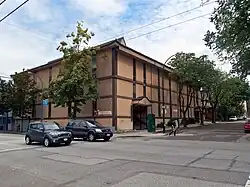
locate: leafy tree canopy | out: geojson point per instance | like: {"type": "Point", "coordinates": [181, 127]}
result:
{"type": "Point", "coordinates": [75, 84]}
{"type": "Point", "coordinates": [23, 93]}
{"type": "Point", "coordinates": [231, 38]}
{"type": "Point", "coordinates": [5, 89]}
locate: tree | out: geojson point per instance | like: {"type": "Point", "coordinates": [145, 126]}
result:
{"type": "Point", "coordinates": [183, 67]}
{"type": "Point", "coordinates": [236, 91]}
{"type": "Point", "coordinates": [23, 93]}
{"type": "Point", "coordinates": [5, 89]}
{"type": "Point", "coordinates": [231, 38]}
{"type": "Point", "coordinates": [75, 84]}
{"type": "Point", "coordinates": [216, 90]}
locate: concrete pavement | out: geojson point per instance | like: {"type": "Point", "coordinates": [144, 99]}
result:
{"type": "Point", "coordinates": [137, 162]}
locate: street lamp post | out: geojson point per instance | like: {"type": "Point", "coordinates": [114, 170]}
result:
{"type": "Point", "coordinates": [163, 105]}
{"type": "Point", "coordinates": [202, 103]}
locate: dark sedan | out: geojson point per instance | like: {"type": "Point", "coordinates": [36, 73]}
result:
{"type": "Point", "coordinates": [87, 130]}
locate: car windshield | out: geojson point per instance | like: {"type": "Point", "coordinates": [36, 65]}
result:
{"type": "Point", "coordinates": [51, 126]}
{"type": "Point", "coordinates": [93, 124]}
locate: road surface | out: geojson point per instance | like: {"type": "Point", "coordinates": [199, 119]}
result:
{"type": "Point", "coordinates": [216, 156]}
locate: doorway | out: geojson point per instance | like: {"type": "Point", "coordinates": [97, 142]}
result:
{"type": "Point", "coordinates": [139, 117]}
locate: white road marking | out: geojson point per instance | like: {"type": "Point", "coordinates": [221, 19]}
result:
{"type": "Point", "coordinates": [15, 149]}
{"type": "Point", "coordinates": [248, 182]}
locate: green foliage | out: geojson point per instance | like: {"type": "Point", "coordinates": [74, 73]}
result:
{"type": "Point", "coordinates": [236, 92]}
{"type": "Point", "coordinates": [75, 84]}
{"type": "Point", "coordinates": [23, 93]}
{"type": "Point", "coordinates": [5, 89]}
{"type": "Point", "coordinates": [231, 38]}
{"type": "Point", "coordinates": [193, 71]}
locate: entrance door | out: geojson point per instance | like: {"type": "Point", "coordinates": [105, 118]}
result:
{"type": "Point", "coordinates": [139, 117]}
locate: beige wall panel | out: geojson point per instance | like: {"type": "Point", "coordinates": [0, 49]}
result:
{"type": "Point", "coordinates": [173, 85]}
{"type": "Point", "coordinates": [139, 71]}
{"type": "Point", "coordinates": [166, 96]}
{"type": "Point", "coordinates": [123, 107]}
{"type": "Point", "coordinates": [59, 112]}
{"type": "Point", "coordinates": [149, 74]}
{"type": "Point", "coordinates": [104, 104]}
{"type": "Point", "coordinates": [107, 122]}
{"type": "Point", "coordinates": [105, 87]}
{"type": "Point", "coordinates": [44, 75]}
{"type": "Point", "coordinates": [176, 110]}
{"type": "Point", "coordinates": [149, 92]}
{"type": "Point", "coordinates": [124, 124]}
{"type": "Point", "coordinates": [166, 82]}
{"type": "Point", "coordinates": [124, 88]}
{"type": "Point", "coordinates": [104, 63]}
{"type": "Point", "coordinates": [155, 109]}
{"type": "Point", "coordinates": [155, 94]}
{"type": "Point", "coordinates": [154, 76]}
{"type": "Point", "coordinates": [86, 110]}
{"type": "Point", "coordinates": [125, 66]}
{"type": "Point", "coordinates": [174, 98]}
{"type": "Point", "coordinates": [139, 90]}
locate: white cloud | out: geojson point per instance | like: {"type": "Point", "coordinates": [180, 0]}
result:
{"type": "Point", "coordinates": [22, 48]}
{"type": "Point", "coordinates": [100, 7]}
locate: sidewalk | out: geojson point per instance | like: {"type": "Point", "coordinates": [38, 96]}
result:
{"type": "Point", "coordinates": [158, 133]}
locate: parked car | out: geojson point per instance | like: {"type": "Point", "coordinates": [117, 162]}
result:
{"type": "Point", "coordinates": [242, 118]}
{"type": "Point", "coordinates": [47, 133]}
{"type": "Point", "coordinates": [247, 126]}
{"type": "Point", "coordinates": [90, 131]}
{"type": "Point", "coordinates": [233, 118]}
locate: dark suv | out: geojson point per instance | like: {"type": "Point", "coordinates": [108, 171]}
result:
{"type": "Point", "coordinates": [47, 133]}
{"type": "Point", "coordinates": [89, 130]}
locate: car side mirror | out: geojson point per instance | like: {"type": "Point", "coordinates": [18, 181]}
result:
{"type": "Point", "coordinates": [85, 126]}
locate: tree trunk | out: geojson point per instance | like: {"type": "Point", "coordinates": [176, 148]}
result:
{"type": "Point", "coordinates": [213, 115]}
{"type": "Point", "coordinates": [69, 109]}
{"type": "Point", "coordinates": [74, 110]}
{"type": "Point", "coordinates": [201, 117]}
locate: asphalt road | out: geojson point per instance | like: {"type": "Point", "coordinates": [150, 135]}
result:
{"type": "Point", "coordinates": [219, 132]}
{"type": "Point", "coordinates": [135, 162]}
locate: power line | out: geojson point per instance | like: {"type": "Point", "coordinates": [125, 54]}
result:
{"type": "Point", "coordinates": [2, 2]}
{"type": "Point", "coordinates": [13, 11]}
{"type": "Point", "coordinates": [132, 38]}
{"type": "Point", "coordinates": [157, 21]}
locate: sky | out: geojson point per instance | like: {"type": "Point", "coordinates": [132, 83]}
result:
{"type": "Point", "coordinates": [30, 36]}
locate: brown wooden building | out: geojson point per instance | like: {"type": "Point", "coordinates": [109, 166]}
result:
{"type": "Point", "coordinates": [130, 86]}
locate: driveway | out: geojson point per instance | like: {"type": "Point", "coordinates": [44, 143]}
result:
{"type": "Point", "coordinates": [136, 162]}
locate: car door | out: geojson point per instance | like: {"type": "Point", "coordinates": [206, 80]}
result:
{"type": "Point", "coordinates": [84, 129]}
{"type": "Point", "coordinates": [40, 132]}
{"type": "Point", "coordinates": [32, 131]}
{"type": "Point", "coordinates": [76, 129]}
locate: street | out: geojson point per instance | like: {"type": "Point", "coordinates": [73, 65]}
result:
{"type": "Point", "coordinates": [215, 155]}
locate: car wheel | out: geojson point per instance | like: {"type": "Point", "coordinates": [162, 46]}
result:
{"type": "Point", "coordinates": [28, 140]}
{"type": "Point", "coordinates": [106, 139]}
{"type": "Point", "coordinates": [91, 137]}
{"type": "Point", "coordinates": [46, 142]}
{"type": "Point", "coordinates": [68, 143]}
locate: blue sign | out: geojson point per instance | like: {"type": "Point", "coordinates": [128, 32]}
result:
{"type": "Point", "coordinates": [45, 102]}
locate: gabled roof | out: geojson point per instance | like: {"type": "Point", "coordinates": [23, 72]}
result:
{"type": "Point", "coordinates": [121, 44]}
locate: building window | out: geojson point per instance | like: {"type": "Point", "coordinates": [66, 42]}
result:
{"type": "Point", "coordinates": [134, 78]}
{"type": "Point", "coordinates": [144, 80]}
